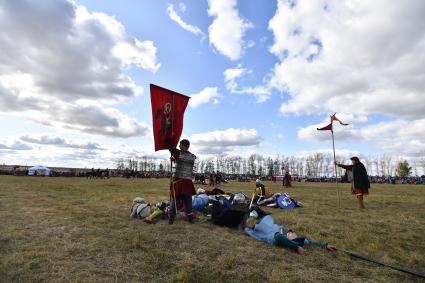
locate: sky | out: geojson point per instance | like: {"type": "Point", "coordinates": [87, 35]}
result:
{"type": "Point", "coordinates": [262, 76]}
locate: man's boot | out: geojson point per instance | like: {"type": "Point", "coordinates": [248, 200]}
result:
{"type": "Point", "coordinates": [171, 219]}
{"type": "Point", "coordinates": [191, 218]}
{"type": "Point", "coordinates": [360, 202]}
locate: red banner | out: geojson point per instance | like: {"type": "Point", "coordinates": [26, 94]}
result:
{"type": "Point", "coordinates": [334, 118]}
{"type": "Point", "coordinates": [326, 128]}
{"type": "Point", "coordinates": [167, 116]}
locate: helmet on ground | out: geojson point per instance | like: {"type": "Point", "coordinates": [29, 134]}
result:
{"type": "Point", "coordinates": [239, 198]}
{"type": "Point", "coordinates": [253, 214]}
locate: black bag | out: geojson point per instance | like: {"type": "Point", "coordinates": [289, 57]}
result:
{"type": "Point", "coordinates": [227, 216]}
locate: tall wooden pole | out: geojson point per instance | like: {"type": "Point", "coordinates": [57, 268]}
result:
{"type": "Point", "coordinates": [336, 172]}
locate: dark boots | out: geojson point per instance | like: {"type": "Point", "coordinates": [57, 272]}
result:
{"type": "Point", "coordinates": [171, 219]}
{"type": "Point", "coordinates": [191, 218]}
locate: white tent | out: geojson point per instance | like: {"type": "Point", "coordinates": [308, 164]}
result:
{"type": "Point", "coordinates": [39, 170]}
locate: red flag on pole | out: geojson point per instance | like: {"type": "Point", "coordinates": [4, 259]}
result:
{"type": "Point", "coordinates": [167, 116]}
{"type": "Point", "coordinates": [326, 128]}
{"type": "Point", "coordinates": [334, 118]}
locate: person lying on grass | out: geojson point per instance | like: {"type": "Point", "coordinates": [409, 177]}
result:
{"type": "Point", "coordinates": [268, 231]}
{"type": "Point", "coordinates": [158, 211]}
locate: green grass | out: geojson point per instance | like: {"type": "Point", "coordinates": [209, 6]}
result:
{"type": "Point", "coordinates": [78, 230]}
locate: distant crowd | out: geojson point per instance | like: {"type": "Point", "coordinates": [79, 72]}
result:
{"type": "Point", "coordinates": [213, 178]}
{"type": "Point", "coordinates": [413, 180]}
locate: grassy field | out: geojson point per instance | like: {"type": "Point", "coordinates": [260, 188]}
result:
{"type": "Point", "coordinates": [78, 230]}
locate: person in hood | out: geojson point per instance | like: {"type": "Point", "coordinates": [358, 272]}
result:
{"type": "Point", "coordinates": [360, 181]}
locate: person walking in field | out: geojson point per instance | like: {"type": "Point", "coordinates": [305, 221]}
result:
{"type": "Point", "coordinates": [360, 181]}
{"type": "Point", "coordinates": [182, 180]}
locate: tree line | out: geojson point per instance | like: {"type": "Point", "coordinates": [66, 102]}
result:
{"type": "Point", "coordinates": [313, 165]}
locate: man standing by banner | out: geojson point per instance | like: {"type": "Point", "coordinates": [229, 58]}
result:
{"type": "Point", "coordinates": [182, 180]}
{"type": "Point", "coordinates": [360, 184]}
{"type": "Point", "coordinates": [167, 117]}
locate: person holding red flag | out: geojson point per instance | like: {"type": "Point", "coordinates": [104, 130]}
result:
{"type": "Point", "coordinates": [182, 188]}
{"type": "Point", "coordinates": [360, 182]}
{"type": "Point", "coordinates": [168, 109]}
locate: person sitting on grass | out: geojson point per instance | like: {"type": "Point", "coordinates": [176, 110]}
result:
{"type": "Point", "coordinates": [261, 192]}
{"type": "Point", "coordinates": [268, 231]}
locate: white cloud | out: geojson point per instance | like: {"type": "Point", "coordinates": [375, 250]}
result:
{"type": "Point", "coordinates": [57, 151]}
{"type": "Point", "coordinates": [231, 74]}
{"type": "Point", "coordinates": [350, 57]}
{"type": "Point", "coordinates": [95, 120]}
{"type": "Point", "coordinates": [341, 154]}
{"type": "Point", "coordinates": [341, 133]}
{"type": "Point", "coordinates": [353, 57]}
{"type": "Point", "coordinates": [227, 29]}
{"type": "Point", "coordinates": [224, 141]}
{"type": "Point", "coordinates": [13, 145]}
{"type": "Point", "coordinates": [58, 58]}
{"type": "Point", "coordinates": [280, 136]}
{"type": "Point", "coordinates": [261, 93]}
{"type": "Point", "coordinates": [176, 18]}
{"type": "Point", "coordinates": [395, 137]}
{"type": "Point", "coordinates": [182, 7]}
{"type": "Point", "coordinates": [204, 96]}
{"type": "Point", "coordinates": [59, 141]}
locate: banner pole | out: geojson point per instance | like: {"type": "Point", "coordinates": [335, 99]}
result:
{"type": "Point", "coordinates": [336, 172]}
{"type": "Point", "coordinates": [172, 184]}
{"type": "Point", "coordinates": [399, 268]}
{"type": "Point", "coordinates": [171, 159]}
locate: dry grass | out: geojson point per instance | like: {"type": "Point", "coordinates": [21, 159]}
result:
{"type": "Point", "coordinates": [78, 230]}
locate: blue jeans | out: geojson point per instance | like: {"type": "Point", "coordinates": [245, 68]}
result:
{"type": "Point", "coordinates": [187, 202]}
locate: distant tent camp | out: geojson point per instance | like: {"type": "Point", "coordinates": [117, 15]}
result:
{"type": "Point", "coordinates": [39, 170]}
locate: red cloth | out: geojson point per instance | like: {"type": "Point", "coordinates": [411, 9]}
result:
{"type": "Point", "coordinates": [334, 118]}
{"type": "Point", "coordinates": [326, 128]}
{"type": "Point", "coordinates": [360, 192]}
{"type": "Point", "coordinates": [167, 116]}
{"type": "Point", "coordinates": [182, 187]}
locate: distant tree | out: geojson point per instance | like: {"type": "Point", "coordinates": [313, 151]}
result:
{"type": "Point", "coordinates": [120, 164]}
{"type": "Point", "coordinates": [415, 167]}
{"type": "Point", "coordinates": [251, 164]}
{"type": "Point", "coordinates": [269, 163]}
{"type": "Point", "coordinates": [403, 169]}
{"type": "Point", "coordinates": [260, 170]}
{"type": "Point", "coordinates": [422, 161]}
{"type": "Point", "coordinates": [209, 167]}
